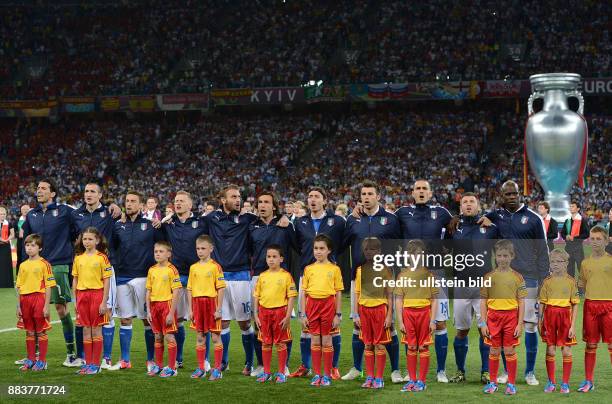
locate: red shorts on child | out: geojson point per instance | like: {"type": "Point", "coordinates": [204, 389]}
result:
{"type": "Point", "coordinates": [556, 326]}
{"type": "Point", "coordinates": [416, 322]}
{"type": "Point", "coordinates": [320, 314]}
{"type": "Point", "coordinates": [270, 331]}
{"type": "Point", "coordinates": [502, 324]}
{"type": "Point", "coordinates": [597, 321]}
{"type": "Point", "coordinates": [159, 312]}
{"type": "Point", "coordinates": [32, 318]}
{"type": "Point", "coordinates": [204, 320]}
{"type": "Point", "coordinates": [88, 308]}
{"type": "Point", "coordinates": [372, 330]}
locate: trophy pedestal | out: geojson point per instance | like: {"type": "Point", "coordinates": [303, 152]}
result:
{"type": "Point", "coordinates": [559, 206]}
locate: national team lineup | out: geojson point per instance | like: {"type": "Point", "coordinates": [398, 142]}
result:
{"type": "Point", "coordinates": [201, 272]}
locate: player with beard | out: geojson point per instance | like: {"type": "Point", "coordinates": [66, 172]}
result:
{"type": "Point", "coordinates": [428, 223]}
{"type": "Point", "coordinates": [374, 222]}
{"type": "Point", "coordinates": [307, 227]}
{"type": "Point", "coordinates": [262, 233]}
{"type": "Point", "coordinates": [470, 239]}
{"type": "Point", "coordinates": [95, 214]}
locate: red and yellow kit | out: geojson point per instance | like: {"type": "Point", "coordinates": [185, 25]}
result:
{"type": "Point", "coordinates": [205, 280]}
{"type": "Point", "coordinates": [373, 309]}
{"type": "Point", "coordinates": [416, 313]}
{"type": "Point", "coordinates": [161, 281]}
{"type": "Point", "coordinates": [596, 279]}
{"type": "Point", "coordinates": [272, 291]}
{"type": "Point", "coordinates": [90, 271]}
{"type": "Point", "coordinates": [507, 287]}
{"type": "Point", "coordinates": [34, 277]}
{"type": "Point", "coordinates": [321, 282]}
{"type": "Point", "coordinates": [558, 293]}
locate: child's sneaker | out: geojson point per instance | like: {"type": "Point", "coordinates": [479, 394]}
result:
{"type": "Point", "coordinates": [378, 384]}
{"type": "Point", "coordinates": [490, 388]}
{"type": "Point", "coordinates": [316, 381]}
{"type": "Point", "coordinates": [510, 389]}
{"type": "Point", "coordinates": [82, 370]}
{"type": "Point", "coordinates": [27, 365]}
{"type": "Point", "coordinates": [154, 371]}
{"type": "Point", "coordinates": [215, 374]}
{"type": "Point", "coordinates": [168, 372]}
{"type": "Point", "coordinates": [281, 378]}
{"type": "Point", "coordinates": [39, 366]}
{"type": "Point", "coordinates": [300, 372]}
{"type": "Point", "coordinates": [127, 365]}
{"type": "Point", "coordinates": [485, 377]}
{"type": "Point", "coordinates": [531, 380]}
{"type": "Point", "coordinates": [586, 386]}
{"type": "Point", "coordinates": [565, 388]}
{"type": "Point", "coordinates": [408, 386]}
{"type": "Point", "coordinates": [550, 387]}
{"type": "Point", "coordinates": [150, 365]}
{"type": "Point", "coordinates": [198, 373]}
{"type": "Point", "coordinates": [368, 382]}
{"type": "Point", "coordinates": [92, 370]}
{"type": "Point", "coordinates": [263, 377]}
{"type": "Point", "coordinates": [325, 381]}
{"type": "Point", "coordinates": [179, 364]}
{"type": "Point", "coordinates": [419, 386]}
{"type": "Point", "coordinates": [335, 374]}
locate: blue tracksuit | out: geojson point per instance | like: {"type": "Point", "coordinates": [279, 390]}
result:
{"type": "Point", "coordinates": [471, 238]}
{"type": "Point", "coordinates": [56, 227]}
{"type": "Point", "coordinates": [526, 230]}
{"type": "Point", "coordinates": [100, 218]}
{"type": "Point", "coordinates": [425, 222]}
{"type": "Point", "coordinates": [331, 225]}
{"type": "Point", "coordinates": [261, 235]}
{"type": "Point", "coordinates": [382, 224]}
{"type": "Point", "coordinates": [182, 236]}
{"type": "Point", "coordinates": [133, 244]}
{"type": "Point", "coordinates": [230, 233]}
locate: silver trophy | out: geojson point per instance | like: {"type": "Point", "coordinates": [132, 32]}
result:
{"type": "Point", "coordinates": [556, 138]}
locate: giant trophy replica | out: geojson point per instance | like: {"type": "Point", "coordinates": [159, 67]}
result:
{"type": "Point", "coordinates": [556, 139]}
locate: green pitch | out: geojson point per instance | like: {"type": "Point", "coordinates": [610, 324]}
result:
{"type": "Point", "coordinates": [134, 386]}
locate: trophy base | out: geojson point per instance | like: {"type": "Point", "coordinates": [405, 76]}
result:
{"type": "Point", "coordinates": [559, 207]}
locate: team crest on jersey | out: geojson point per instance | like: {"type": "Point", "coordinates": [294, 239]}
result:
{"type": "Point", "coordinates": [434, 215]}
{"type": "Point", "coordinates": [330, 275]}
{"type": "Point", "coordinates": [383, 221]}
{"type": "Point", "coordinates": [330, 222]}
{"type": "Point", "coordinates": [102, 214]}
{"type": "Point", "coordinates": [143, 226]}
{"type": "Point", "coordinates": [194, 224]}
{"type": "Point", "coordinates": [55, 213]}
{"type": "Point", "coordinates": [483, 230]}
{"type": "Point", "coordinates": [524, 219]}
{"type": "Point", "coordinates": [236, 219]}
{"type": "Point", "coordinates": [279, 282]}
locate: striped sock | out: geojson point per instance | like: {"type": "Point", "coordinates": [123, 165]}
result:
{"type": "Point", "coordinates": [411, 363]}
{"type": "Point", "coordinates": [511, 364]}
{"type": "Point", "coordinates": [381, 359]}
{"type": "Point", "coordinates": [218, 356]}
{"type": "Point", "coordinates": [590, 357]}
{"type": "Point", "coordinates": [31, 347]}
{"type": "Point", "coordinates": [550, 368]}
{"type": "Point", "coordinates": [567, 368]}
{"type": "Point", "coordinates": [159, 353]}
{"type": "Point", "coordinates": [493, 366]}
{"type": "Point", "coordinates": [316, 359]}
{"type": "Point", "coordinates": [96, 348]}
{"type": "Point", "coordinates": [369, 362]}
{"type": "Point", "coordinates": [282, 353]}
{"type": "Point", "coordinates": [201, 354]}
{"type": "Point", "coordinates": [328, 359]}
{"type": "Point", "coordinates": [88, 350]}
{"type": "Point", "coordinates": [423, 365]}
{"type": "Point", "coordinates": [172, 350]}
{"type": "Point", "coordinates": [43, 346]}
{"type": "Point", "coordinates": [266, 356]}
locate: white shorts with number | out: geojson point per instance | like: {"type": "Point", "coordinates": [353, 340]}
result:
{"type": "Point", "coordinates": [466, 307]}
{"type": "Point", "coordinates": [443, 310]}
{"type": "Point", "coordinates": [531, 306]}
{"type": "Point", "coordinates": [131, 299]}
{"type": "Point", "coordinates": [237, 301]}
{"type": "Point", "coordinates": [111, 303]}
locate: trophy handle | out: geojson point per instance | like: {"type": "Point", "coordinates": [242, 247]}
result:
{"type": "Point", "coordinates": [534, 96]}
{"type": "Point", "coordinates": [579, 97]}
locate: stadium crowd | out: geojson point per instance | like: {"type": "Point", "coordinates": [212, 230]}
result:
{"type": "Point", "coordinates": [287, 154]}
{"type": "Point", "coordinates": [86, 48]}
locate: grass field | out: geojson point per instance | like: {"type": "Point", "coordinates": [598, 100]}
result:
{"type": "Point", "coordinates": [134, 386]}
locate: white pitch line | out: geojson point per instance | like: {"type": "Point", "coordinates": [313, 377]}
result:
{"type": "Point", "coordinates": [16, 329]}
